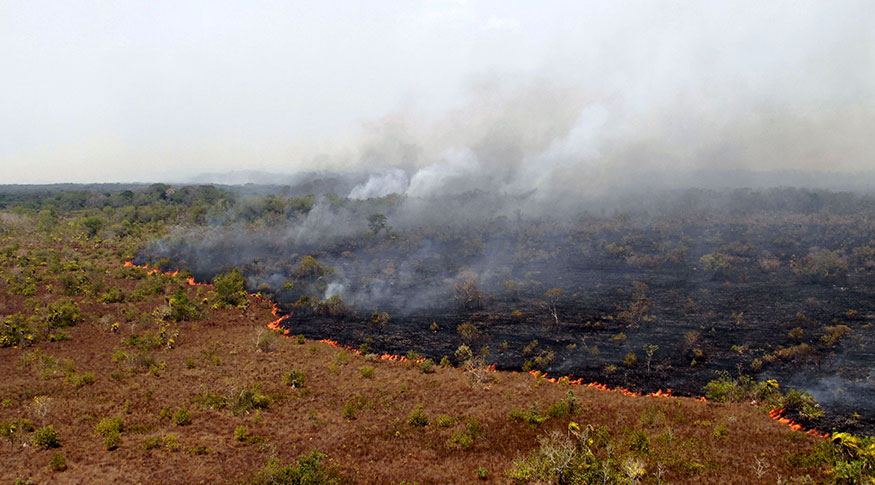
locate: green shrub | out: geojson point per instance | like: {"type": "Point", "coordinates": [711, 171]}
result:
{"type": "Point", "coordinates": [199, 450]}
{"type": "Point", "coordinates": [113, 295]}
{"type": "Point", "coordinates": [531, 416]}
{"type": "Point", "coordinates": [349, 410]}
{"type": "Point", "coordinates": [638, 441]}
{"type": "Point", "coordinates": [443, 421]}
{"type": "Point", "coordinates": [182, 417]}
{"type": "Point", "coordinates": [366, 372]}
{"type": "Point", "coordinates": [426, 366]}
{"type": "Point", "coordinates": [464, 437]}
{"type": "Point", "coordinates": [241, 434]}
{"type": "Point", "coordinates": [57, 462]}
{"type": "Point", "coordinates": [151, 443]}
{"type": "Point", "coordinates": [230, 290]}
{"type": "Point", "coordinates": [112, 439]}
{"type": "Point", "coordinates": [171, 442]}
{"type": "Point", "coordinates": [417, 417]}
{"type": "Point", "coordinates": [310, 470]}
{"type": "Point", "coordinates": [46, 437]}
{"type": "Point", "coordinates": [63, 313]}
{"type": "Point", "coordinates": [107, 426]}
{"type": "Point", "coordinates": [294, 378]}
{"type": "Point", "coordinates": [181, 308]}
{"type": "Point", "coordinates": [248, 399]}
{"type": "Point", "coordinates": [79, 380]}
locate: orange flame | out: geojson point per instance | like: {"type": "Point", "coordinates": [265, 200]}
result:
{"type": "Point", "coordinates": [778, 415]}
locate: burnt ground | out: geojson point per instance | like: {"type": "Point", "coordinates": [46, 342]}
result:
{"type": "Point", "coordinates": [586, 343]}
{"type": "Point", "coordinates": [771, 294]}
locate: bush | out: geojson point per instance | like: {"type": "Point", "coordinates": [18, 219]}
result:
{"type": "Point", "coordinates": [113, 295]}
{"type": "Point", "coordinates": [112, 440]}
{"type": "Point", "coordinates": [426, 366]}
{"type": "Point", "coordinates": [181, 308]}
{"type": "Point", "coordinates": [367, 372]}
{"type": "Point", "coordinates": [241, 434]}
{"type": "Point", "coordinates": [310, 470]}
{"type": "Point", "coordinates": [417, 417]}
{"type": "Point", "coordinates": [79, 380]}
{"type": "Point", "coordinates": [464, 438]}
{"type": "Point", "coordinates": [296, 378]}
{"type": "Point", "coordinates": [182, 417]}
{"type": "Point", "coordinates": [46, 437]}
{"type": "Point", "coordinates": [63, 313]}
{"type": "Point", "coordinates": [107, 426]}
{"type": "Point", "coordinates": [230, 289]}
{"type": "Point", "coordinates": [57, 462]}
{"type": "Point", "coordinates": [247, 399]}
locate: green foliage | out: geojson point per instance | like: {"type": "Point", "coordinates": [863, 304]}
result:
{"type": "Point", "coordinates": [426, 366]}
{"type": "Point", "coordinates": [464, 437]}
{"type": "Point", "coordinates": [63, 313]}
{"type": "Point", "coordinates": [468, 332]}
{"type": "Point", "coordinates": [367, 372]}
{"type": "Point", "coordinates": [310, 269]}
{"type": "Point", "coordinates": [310, 470]}
{"type": "Point", "coordinates": [376, 223]}
{"type": "Point", "coordinates": [79, 380]}
{"type": "Point", "coordinates": [113, 295]}
{"type": "Point", "coordinates": [744, 388]}
{"type": "Point", "coordinates": [248, 399]}
{"type": "Point", "coordinates": [638, 441]}
{"type": "Point", "coordinates": [181, 308]}
{"type": "Point", "coordinates": [417, 417]}
{"type": "Point", "coordinates": [182, 417]}
{"type": "Point", "coordinates": [108, 426]}
{"type": "Point", "coordinates": [46, 437]}
{"type": "Point", "coordinates": [230, 289]}
{"type": "Point", "coordinates": [296, 378]}
{"type": "Point", "coordinates": [241, 434]}
{"type": "Point", "coordinates": [17, 330]}
{"type": "Point", "coordinates": [57, 462]}
{"type": "Point", "coordinates": [530, 416]}
{"type": "Point", "coordinates": [574, 459]}
{"type": "Point", "coordinates": [112, 440]}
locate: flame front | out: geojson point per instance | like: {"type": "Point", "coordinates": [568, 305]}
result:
{"type": "Point", "coordinates": [776, 414]}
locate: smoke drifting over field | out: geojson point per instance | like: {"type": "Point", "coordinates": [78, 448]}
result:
{"type": "Point", "coordinates": [505, 97]}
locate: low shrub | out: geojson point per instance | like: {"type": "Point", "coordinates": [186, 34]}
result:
{"type": "Point", "coordinates": [310, 469]}
{"type": "Point", "coordinates": [182, 417]}
{"type": "Point", "coordinates": [112, 440]}
{"type": "Point", "coordinates": [107, 426]}
{"type": "Point", "coordinates": [417, 417]}
{"type": "Point", "coordinates": [46, 437]}
{"type": "Point", "coordinates": [57, 462]}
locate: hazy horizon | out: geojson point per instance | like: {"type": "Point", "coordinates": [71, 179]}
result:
{"type": "Point", "coordinates": [446, 91]}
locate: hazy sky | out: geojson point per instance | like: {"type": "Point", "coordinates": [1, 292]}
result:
{"type": "Point", "coordinates": [152, 90]}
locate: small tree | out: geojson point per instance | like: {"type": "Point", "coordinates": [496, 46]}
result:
{"type": "Point", "coordinates": [553, 296]}
{"type": "Point", "coordinates": [649, 351]}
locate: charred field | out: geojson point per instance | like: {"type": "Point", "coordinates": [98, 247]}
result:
{"type": "Point", "coordinates": [664, 291]}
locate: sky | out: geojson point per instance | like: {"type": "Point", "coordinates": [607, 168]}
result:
{"type": "Point", "coordinates": [103, 91]}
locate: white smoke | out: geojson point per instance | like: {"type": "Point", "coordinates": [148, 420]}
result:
{"type": "Point", "coordinates": [393, 181]}
{"type": "Point", "coordinates": [334, 288]}
{"type": "Point", "coordinates": [451, 175]}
